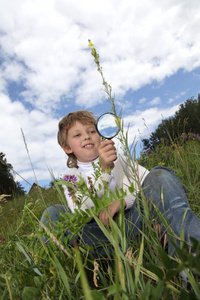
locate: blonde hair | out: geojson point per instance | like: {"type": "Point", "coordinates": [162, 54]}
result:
{"type": "Point", "coordinates": [82, 116]}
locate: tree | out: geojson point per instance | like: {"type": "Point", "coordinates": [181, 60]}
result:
{"type": "Point", "coordinates": [7, 182]}
{"type": "Point", "coordinates": [185, 120]}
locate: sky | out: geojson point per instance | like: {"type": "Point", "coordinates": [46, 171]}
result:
{"type": "Point", "coordinates": [149, 52]}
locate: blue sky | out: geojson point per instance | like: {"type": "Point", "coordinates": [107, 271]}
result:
{"type": "Point", "coordinates": [149, 51]}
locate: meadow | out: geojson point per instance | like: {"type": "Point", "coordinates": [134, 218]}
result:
{"type": "Point", "coordinates": [132, 269]}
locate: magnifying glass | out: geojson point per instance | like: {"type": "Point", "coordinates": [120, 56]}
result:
{"type": "Point", "coordinates": [106, 126]}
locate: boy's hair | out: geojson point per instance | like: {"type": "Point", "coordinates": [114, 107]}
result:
{"type": "Point", "coordinates": [82, 116]}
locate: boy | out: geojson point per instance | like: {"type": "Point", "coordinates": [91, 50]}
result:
{"type": "Point", "coordinates": [79, 139]}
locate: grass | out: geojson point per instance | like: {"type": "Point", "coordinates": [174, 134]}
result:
{"type": "Point", "coordinates": [137, 269]}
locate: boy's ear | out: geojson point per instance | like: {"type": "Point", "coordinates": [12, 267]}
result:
{"type": "Point", "coordinates": [67, 150]}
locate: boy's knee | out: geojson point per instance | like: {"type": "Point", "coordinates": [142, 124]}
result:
{"type": "Point", "coordinates": [55, 209]}
{"type": "Point", "coordinates": [156, 176]}
{"type": "Point", "coordinates": [51, 210]}
{"type": "Point", "coordinates": [52, 213]}
{"type": "Point", "coordinates": [162, 173]}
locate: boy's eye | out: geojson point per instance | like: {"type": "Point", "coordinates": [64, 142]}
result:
{"type": "Point", "coordinates": [76, 135]}
{"type": "Point", "coordinates": [92, 131]}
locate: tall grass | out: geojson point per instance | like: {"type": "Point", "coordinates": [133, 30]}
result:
{"type": "Point", "coordinates": [134, 269]}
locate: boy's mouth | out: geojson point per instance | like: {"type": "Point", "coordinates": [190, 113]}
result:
{"type": "Point", "coordinates": [88, 146]}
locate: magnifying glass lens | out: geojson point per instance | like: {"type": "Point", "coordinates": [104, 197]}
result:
{"type": "Point", "coordinates": [106, 126]}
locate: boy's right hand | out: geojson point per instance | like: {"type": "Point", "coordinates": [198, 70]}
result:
{"type": "Point", "coordinates": [111, 211]}
{"type": "Point", "coordinates": [107, 154]}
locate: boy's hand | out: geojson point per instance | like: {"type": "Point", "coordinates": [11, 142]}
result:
{"type": "Point", "coordinates": [107, 154]}
{"type": "Point", "coordinates": [111, 210]}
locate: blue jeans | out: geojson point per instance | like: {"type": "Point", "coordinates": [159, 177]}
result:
{"type": "Point", "coordinates": [173, 207]}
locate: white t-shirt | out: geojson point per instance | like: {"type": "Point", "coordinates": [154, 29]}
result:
{"type": "Point", "coordinates": [87, 169]}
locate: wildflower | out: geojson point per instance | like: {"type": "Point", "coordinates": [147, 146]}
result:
{"type": "Point", "coordinates": [149, 151]}
{"type": "Point", "coordinates": [2, 240]}
{"type": "Point", "coordinates": [90, 44]}
{"type": "Point", "coordinates": [183, 135]}
{"type": "Point", "coordinates": [91, 184]}
{"type": "Point", "coordinates": [168, 155]}
{"type": "Point", "coordinates": [51, 271]}
{"type": "Point", "coordinates": [71, 179]}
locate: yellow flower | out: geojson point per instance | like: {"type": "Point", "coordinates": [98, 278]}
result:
{"type": "Point", "coordinates": [51, 271]}
{"type": "Point", "coordinates": [90, 44]}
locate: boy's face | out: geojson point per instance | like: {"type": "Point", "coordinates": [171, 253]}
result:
{"type": "Point", "coordinates": [83, 141]}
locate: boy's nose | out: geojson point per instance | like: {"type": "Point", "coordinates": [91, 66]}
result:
{"type": "Point", "coordinates": [87, 136]}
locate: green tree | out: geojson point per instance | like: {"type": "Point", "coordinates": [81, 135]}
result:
{"type": "Point", "coordinates": [7, 182]}
{"type": "Point", "coordinates": [185, 120]}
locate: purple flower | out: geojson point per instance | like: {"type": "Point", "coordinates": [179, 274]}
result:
{"type": "Point", "coordinates": [183, 135]}
{"type": "Point", "coordinates": [91, 184]}
{"type": "Point", "coordinates": [198, 137]}
{"type": "Point", "coordinates": [71, 179]}
{"type": "Point", "coordinates": [168, 155]}
{"type": "Point", "coordinates": [149, 151]}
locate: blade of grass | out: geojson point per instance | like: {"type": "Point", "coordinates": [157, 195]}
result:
{"type": "Point", "coordinates": [194, 284]}
{"type": "Point", "coordinates": [62, 275]}
{"type": "Point", "coordinates": [140, 260]}
{"type": "Point", "coordinates": [84, 282]}
{"type": "Point", "coordinates": [9, 290]}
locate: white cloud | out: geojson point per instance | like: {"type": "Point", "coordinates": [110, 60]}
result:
{"type": "Point", "coordinates": [180, 94]}
{"type": "Point", "coordinates": [40, 132]}
{"type": "Point", "coordinates": [138, 42]}
{"type": "Point", "coordinates": [155, 101]}
{"type": "Point", "coordinates": [142, 123]}
{"type": "Point", "coordinates": [142, 100]}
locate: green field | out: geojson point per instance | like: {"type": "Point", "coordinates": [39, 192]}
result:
{"type": "Point", "coordinates": [138, 269]}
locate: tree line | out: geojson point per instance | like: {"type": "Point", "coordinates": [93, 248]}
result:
{"type": "Point", "coordinates": [7, 183]}
{"type": "Point", "coordinates": [186, 120]}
